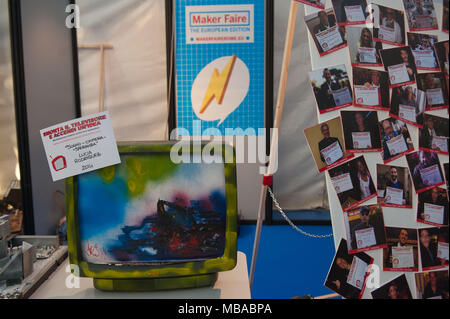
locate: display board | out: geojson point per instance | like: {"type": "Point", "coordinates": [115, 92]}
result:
{"type": "Point", "coordinates": [394, 217]}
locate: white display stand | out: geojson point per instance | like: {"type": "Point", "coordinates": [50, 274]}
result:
{"type": "Point", "coordinates": [393, 217]}
{"type": "Point", "coordinates": [232, 284]}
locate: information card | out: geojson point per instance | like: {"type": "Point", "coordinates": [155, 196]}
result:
{"type": "Point", "coordinates": [402, 257]}
{"type": "Point", "coordinates": [365, 238]}
{"type": "Point", "coordinates": [434, 213]}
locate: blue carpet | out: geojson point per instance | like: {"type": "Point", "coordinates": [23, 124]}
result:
{"type": "Point", "coordinates": [289, 264]}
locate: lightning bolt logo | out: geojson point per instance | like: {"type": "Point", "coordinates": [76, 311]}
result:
{"type": "Point", "coordinates": [218, 85]}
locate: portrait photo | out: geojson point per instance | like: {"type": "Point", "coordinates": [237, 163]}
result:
{"type": "Point", "coordinates": [442, 52]}
{"type": "Point", "coordinates": [395, 139]}
{"type": "Point", "coordinates": [327, 144]}
{"type": "Point", "coordinates": [433, 137]}
{"type": "Point", "coordinates": [402, 253]}
{"type": "Point", "coordinates": [365, 228]}
{"type": "Point", "coordinates": [432, 207]}
{"type": "Point", "coordinates": [394, 289]}
{"type": "Point", "coordinates": [348, 272]}
{"type": "Point", "coordinates": [421, 15]}
{"type": "Point", "coordinates": [328, 36]}
{"type": "Point", "coordinates": [332, 88]}
{"type": "Point", "coordinates": [433, 244]}
{"type": "Point", "coordinates": [432, 285]}
{"type": "Point", "coordinates": [422, 46]}
{"type": "Point", "coordinates": [425, 169]}
{"type": "Point", "coordinates": [371, 89]}
{"type": "Point", "coordinates": [394, 188]}
{"type": "Point", "coordinates": [400, 64]}
{"type": "Point", "coordinates": [364, 50]}
{"type": "Point", "coordinates": [351, 12]}
{"type": "Point", "coordinates": [408, 104]}
{"type": "Point", "coordinates": [435, 87]}
{"type": "Point", "coordinates": [445, 14]}
{"type": "Point", "coordinates": [353, 183]}
{"type": "Point", "coordinates": [361, 131]}
{"type": "Point", "coordinates": [389, 25]}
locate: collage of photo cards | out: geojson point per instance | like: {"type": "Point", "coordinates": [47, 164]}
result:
{"type": "Point", "coordinates": [383, 142]}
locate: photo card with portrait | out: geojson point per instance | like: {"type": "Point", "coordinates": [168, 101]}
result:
{"type": "Point", "coordinates": [433, 244]}
{"type": "Point", "coordinates": [353, 183]}
{"type": "Point", "coordinates": [371, 89]}
{"type": "Point", "coordinates": [401, 66]}
{"type": "Point", "coordinates": [320, 4]}
{"type": "Point", "coordinates": [432, 207]}
{"type": "Point", "coordinates": [394, 187]}
{"type": "Point", "coordinates": [395, 139]}
{"type": "Point", "coordinates": [361, 131]}
{"type": "Point", "coordinates": [327, 35]}
{"type": "Point", "coordinates": [365, 229]}
{"type": "Point", "coordinates": [421, 15]}
{"type": "Point", "coordinates": [435, 87]}
{"type": "Point", "coordinates": [442, 53]}
{"type": "Point", "coordinates": [445, 16]}
{"type": "Point", "coordinates": [402, 253]}
{"type": "Point", "coordinates": [332, 88]}
{"type": "Point", "coordinates": [351, 12]}
{"type": "Point", "coordinates": [432, 285]}
{"type": "Point", "coordinates": [364, 49]}
{"type": "Point", "coordinates": [397, 288]}
{"type": "Point", "coordinates": [348, 272]}
{"type": "Point", "coordinates": [433, 137]}
{"type": "Point", "coordinates": [422, 46]}
{"type": "Point", "coordinates": [326, 143]}
{"type": "Point", "coordinates": [389, 25]}
{"type": "Point", "coordinates": [425, 170]}
{"type": "Point", "coordinates": [408, 104]}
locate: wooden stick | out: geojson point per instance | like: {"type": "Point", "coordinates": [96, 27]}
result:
{"type": "Point", "coordinates": [328, 296]}
{"type": "Point", "coordinates": [277, 125]}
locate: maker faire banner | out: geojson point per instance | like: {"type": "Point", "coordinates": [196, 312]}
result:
{"type": "Point", "coordinates": [220, 66]}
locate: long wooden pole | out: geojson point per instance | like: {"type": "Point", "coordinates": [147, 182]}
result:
{"type": "Point", "coordinates": [278, 117]}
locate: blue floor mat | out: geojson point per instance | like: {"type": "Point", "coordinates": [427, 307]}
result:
{"type": "Point", "coordinates": [289, 264]}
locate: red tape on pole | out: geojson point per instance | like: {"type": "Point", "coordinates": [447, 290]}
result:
{"type": "Point", "coordinates": [268, 180]}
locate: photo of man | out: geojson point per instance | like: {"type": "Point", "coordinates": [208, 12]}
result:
{"type": "Point", "coordinates": [402, 251]}
{"type": "Point", "coordinates": [371, 89]}
{"type": "Point", "coordinates": [432, 285]}
{"type": "Point", "coordinates": [442, 53]}
{"type": "Point", "coordinates": [332, 88]}
{"type": "Point", "coordinates": [350, 12]}
{"type": "Point", "coordinates": [421, 15]}
{"type": "Point", "coordinates": [425, 169]}
{"type": "Point", "coordinates": [365, 229]}
{"type": "Point", "coordinates": [389, 25]}
{"type": "Point", "coordinates": [422, 46]}
{"type": "Point", "coordinates": [432, 208]}
{"type": "Point", "coordinates": [408, 105]}
{"type": "Point", "coordinates": [394, 187]}
{"type": "Point", "coordinates": [395, 289]}
{"type": "Point", "coordinates": [401, 66]}
{"type": "Point", "coordinates": [327, 35]}
{"type": "Point", "coordinates": [434, 136]}
{"type": "Point", "coordinates": [326, 141]}
{"type": "Point", "coordinates": [395, 138]}
{"type": "Point", "coordinates": [433, 248]}
{"type": "Point", "coordinates": [435, 87]}
{"type": "Point", "coordinates": [361, 131]}
{"type": "Point", "coordinates": [348, 273]}
{"type": "Point", "coordinates": [364, 50]}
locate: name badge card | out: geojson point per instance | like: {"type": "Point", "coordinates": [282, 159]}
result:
{"type": "Point", "coordinates": [342, 183]}
{"type": "Point", "coordinates": [332, 153]}
{"type": "Point", "coordinates": [402, 257]}
{"type": "Point", "coordinates": [365, 238]}
{"type": "Point", "coordinates": [386, 34]}
{"type": "Point", "coordinates": [80, 146]}
{"type": "Point", "coordinates": [361, 140]}
{"type": "Point", "coordinates": [442, 250]}
{"type": "Point", "coordinates": [354, 13]}
{"type": "Point", "coordinates": [440, 142]}
{"type": "Point", "coordinates": [435, 96]}
{"type": "Point", "coordinates": [424, 59]}
{"type": "Point", "coordinates": [367, 96]}
{"type": "Point", "coordinates": [329, 38]}
{"type": "Point", "coordinates": [342, 97]}
{"type": "Point", "coordinates": [407, 112]}
{"type": "Point", "coordinates": [434, 213]}
{"type": "Point", "coordinates": [367, 55]}
{"type": "Point", "coordinates": [394, 196]}
{"type": "Point", "coordinates": [397, 145]}
{"type": "Point", "coordinates": [357, 273]}
{"type": "Point", "coordinates": [398, 74]}
{"type": "Point", "coordinates": [431, 175]}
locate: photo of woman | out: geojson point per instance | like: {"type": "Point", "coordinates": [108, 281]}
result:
{"type": "Point", "coordinates": [364, 50]}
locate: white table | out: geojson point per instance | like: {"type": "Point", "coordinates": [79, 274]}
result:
{"type": "Point", "coordinates": [232, 284]}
